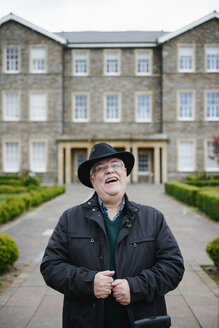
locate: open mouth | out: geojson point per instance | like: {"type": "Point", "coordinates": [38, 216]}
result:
{"type": "Point", "coordinates": [111, 180]}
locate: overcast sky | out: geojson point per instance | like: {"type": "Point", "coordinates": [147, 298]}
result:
{"type": "Point", "coordinates": [109, 15]}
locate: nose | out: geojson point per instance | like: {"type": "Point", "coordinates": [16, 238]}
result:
{"type": "Point", "coordinates": [109, 169]}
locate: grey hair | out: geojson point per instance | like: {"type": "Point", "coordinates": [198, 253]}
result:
{"type": "Point", "coordinates": [92, 168]}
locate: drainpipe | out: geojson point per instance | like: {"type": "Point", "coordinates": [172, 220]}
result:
{"type": "Point", "coordinates": [161, 89]}
{"type": "Point", "coordinates": [63, 90]}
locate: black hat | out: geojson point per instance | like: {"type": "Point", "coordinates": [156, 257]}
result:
{"type": "Point", "coordinates": [101, 151]}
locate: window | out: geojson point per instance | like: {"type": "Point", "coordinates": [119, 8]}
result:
{"type": "Point", "coordinates": [38, 107]}
{"type": "Point", "coordinates": [112, 108]}
{"type": "Point", "coordinates": [11, 157]}
{"type": "Point", "coordinates": [112, 63]}
{"type": "Point", "coordinates": [212, 163]}
{"type": "Point", "coordinates": [143, 108]}
{"type": "Point", "coordinates": [212, 59]}
{"type": "Point", "coordinates": [185, 106]}
{"type": "Point", "coordinates": [11, 60]}
{"type": "Point", "coordinates": [186, 59]}
{"type": "Point", "coordinates": [38, 157]}
{"type": "Point", "coordinates": [11, 106]}
{"type": "Point", "coordinates": [81, 157]}
{"type": "Point", "coordinates": [80, 108]}
{"type": "Point", "coordinates": [212, 106]}
{"type": "Point", "coordinates": [38, 60]}
{"type": "Point", "coordinates": [143, 63]}
{"type": "Point", "coordinates": [143, 163]}
{"type": "Point", "coordinates": [186, 156]}
{"type": "Point", "coordinates": [80, 63]}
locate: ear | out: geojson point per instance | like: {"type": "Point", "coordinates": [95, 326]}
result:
{"type": "Point", "coordinates": [91, 179]}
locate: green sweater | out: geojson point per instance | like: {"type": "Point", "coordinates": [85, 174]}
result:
{"type": "Point", "coordinates": [115, 314]}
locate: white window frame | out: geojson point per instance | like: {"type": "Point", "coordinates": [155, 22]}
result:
{"type": "Point", "coordinates": [4, 95]}
{"type": "Point", "coordinates": [31, 164]}
{"type": "Point", "coordinates": [112, 120]}
{"type": "Point", "coordinates": [211, 118]}
{"type": "Point", "coordinates": [74, 118]}
{"type": "Point", "coordinates": [211, 70]}
{"type": "Point", "coordinates": [186, 70]}
{"type": "Point", "coordinates": [118, 54]}
{"type": "Point", "coordinates": [206, 154]}
{"type": "Point", "coordinates": [4, 163]}
{"type": "Point", "coordinates": [193, 167]}
{"type": "Point", "coordinates": [11, 71]}
{"type": "Point", "coordinates": [76, 53]}
{"type": "Point", "coordinates": [143, 120]}
{"type": "Point", "coordinates": [149, 53]}
{"type": "Point", "coordinates": [185, 118]}
{"type": "Point", "coordinates": [31, 109]}
{"type": "Point", "coordinates": [32, 69]}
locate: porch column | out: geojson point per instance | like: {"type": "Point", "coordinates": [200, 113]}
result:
{"type": "Point", "coordinates": [68, 164]}
{"type": "Point", "coordinates": [127, 148]}
{"type": "Point", "coordinates": [60, 165]}
{"type": "Point", "coordinates": [156, 164]}
{"type": "Point", "coordinates": [164, 164]}
{"type": "Point", "coordinates": [135, 168]}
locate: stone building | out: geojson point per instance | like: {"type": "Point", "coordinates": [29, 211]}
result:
{"type": "Point", "coordinates": [155, 94]}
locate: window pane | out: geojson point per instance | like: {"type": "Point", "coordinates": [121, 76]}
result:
{"type": "Point", "coordinates": [38, 56]}
{"type": "Point", "coordinates": [38, 157]}
{"type": "Point", "coordinates": [186, 156]}
{"type": "Point", "coordinates": [212, 163]}
{"type": "Point", "coordinates": [143, 62]}
{"type": "Point", "coordinates": [212, 106]}
{"type": "Point", "coordinates": [112, 62]}
{"type": "Point", "coordinates": [80, 63]}
{"type": "Point", "coordinates": [11, 159]}
{"type": "Point", "coordinates": [12, 59]}
{"type": "Point", "coordinates": [38, 107]}
{"type": "Point", "coordinates": [80, 112]}
{"type": "Point", "coordinates": [143, 164]}
{"type": "Point", "coordinates": [112, 108]}
{"type": "Point", "coordinates": [11, 106]}
{"type": "Point", "coordinates": [186, 59]}
{"type": "Point", "coordinates": [212, 58]}
{"type": "Point", "coordinates": [144, 108]}
{"type": "Point", "coordinates": [185, 105]}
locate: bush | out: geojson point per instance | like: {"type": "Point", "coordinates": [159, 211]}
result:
{"type": "Point", "coordinates": [208, 202]}
{"type": "Point", "coordinates": [182, 192]}
{"type": "Point", "coordinates": [31, 181]}
{"type": "Point", "coordinates": [8, 251]}
{"type": "Point", "coordinates": [212, 249]}
{"type": "Point", "coordinates": [202, 183]}
{"type": "Point", "coordinates": [7, 189]}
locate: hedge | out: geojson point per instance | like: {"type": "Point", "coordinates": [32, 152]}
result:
{"type": "Point", "coordinates": [182, 192]}
{"type": "Point", "coordinates": [212, 249]}
{"type": "Point", "coordinates": [208, 202]}
{"type": "Point", "coordinates": [8, 251]}
{"type": "Point", "coordinates": [202, 183]}
{"type": "Point", "coordinates": [8, 189]}
{"type": "Point", "coordinates": [14, 206]}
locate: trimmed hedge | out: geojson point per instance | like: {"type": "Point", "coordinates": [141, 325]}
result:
{"type": "Point", "coordinates": [182, 192]}
{"type": "Point", "coordinates": [208, 202]}
{"type": "Point", "coordinates": [8, 189]}
{"type": "Point", "coordinates": [212, 249]}
{"type": "Point", "coordinates": [202, 183]}
{"type": "Point", "coordinates": [14, 206]}
{"type": "Point", "coordinates": [8, 251]}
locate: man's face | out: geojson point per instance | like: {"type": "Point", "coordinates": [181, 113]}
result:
{"type": "Point", "coordinates": [109, 178]}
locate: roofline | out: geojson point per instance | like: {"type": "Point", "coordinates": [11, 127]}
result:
{"type": "Point", "coordinates": [184, 29]}
{"type": "Point", "coordinates": [112, 45]}
{"type": "Point", "coordinates": [36, 28]}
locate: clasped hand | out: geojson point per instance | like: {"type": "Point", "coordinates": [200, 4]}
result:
{"type": "Point", "coordinates": [105, 285]}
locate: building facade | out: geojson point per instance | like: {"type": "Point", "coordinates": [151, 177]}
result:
{"type": "Point", "coordinates": [155, 94]}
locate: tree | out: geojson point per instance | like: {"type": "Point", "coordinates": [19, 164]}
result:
{"type": "Point", "coordinates": [215, 143]}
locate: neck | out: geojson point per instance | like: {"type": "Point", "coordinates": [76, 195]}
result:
{"type": "Point", "coordinates": [113, 206]}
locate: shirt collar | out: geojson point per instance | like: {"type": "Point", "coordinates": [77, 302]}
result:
{"type": "Point", "coordinates": [105, 210]}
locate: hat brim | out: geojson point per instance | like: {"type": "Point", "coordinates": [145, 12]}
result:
{"type": "Point", "coordinates": [84, 168]}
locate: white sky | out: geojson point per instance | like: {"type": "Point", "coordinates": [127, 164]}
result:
{"type": "Point", "coordinates": [109, 15]}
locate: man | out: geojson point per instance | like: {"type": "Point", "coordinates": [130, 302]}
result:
{"type": "Point", "coordinates": [114, 260]}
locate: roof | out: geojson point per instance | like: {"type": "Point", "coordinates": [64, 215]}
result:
{"type": "Point", "coordinates": [36, 28]}
{"type": "Point", "coordinates": [169, 36]}
{"type": "Point", "coordinates": [112, 39]}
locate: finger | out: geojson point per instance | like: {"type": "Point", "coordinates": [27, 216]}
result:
{"type": "Point", "coordinates": [108, 273]}
{"type": "Point", "coordinates": [116, 282]}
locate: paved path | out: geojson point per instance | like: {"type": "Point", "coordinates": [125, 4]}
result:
{"type": "Point", "coordinates": [28, 302]}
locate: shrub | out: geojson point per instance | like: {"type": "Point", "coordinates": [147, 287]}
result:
{"type": "Point", "coordinates": [202, 183]}
{"type": "Point", "coordinates": [7, 189]}
{"type": "Point", "coordinates": [8, 251]}
{"type": "Point", "coordinates": [182, 192]}
{"type": "Point", "coordinates": [208, 202]}
{"type": "Point", "coordinates": [31, 181]}
{"type": "Point", "coordinates": [212, 249]}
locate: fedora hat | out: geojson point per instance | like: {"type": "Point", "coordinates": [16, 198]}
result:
{"type": "Point", "coordinates": [101, 151]}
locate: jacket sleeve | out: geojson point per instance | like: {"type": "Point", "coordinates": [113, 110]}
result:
{"type": "Point", "coordinates": [168, 268]}
{"type": "Point", "coordinates": [58, 273]}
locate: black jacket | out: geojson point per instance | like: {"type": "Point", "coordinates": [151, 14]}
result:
{"type": "Point", "coordinates": [146, 254]}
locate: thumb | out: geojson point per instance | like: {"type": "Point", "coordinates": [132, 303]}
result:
{"type": "Point", "coordinates": [108, 273]}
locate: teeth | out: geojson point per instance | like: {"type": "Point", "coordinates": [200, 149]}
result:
{"type": "Point", "coordinates": [111, 180]}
